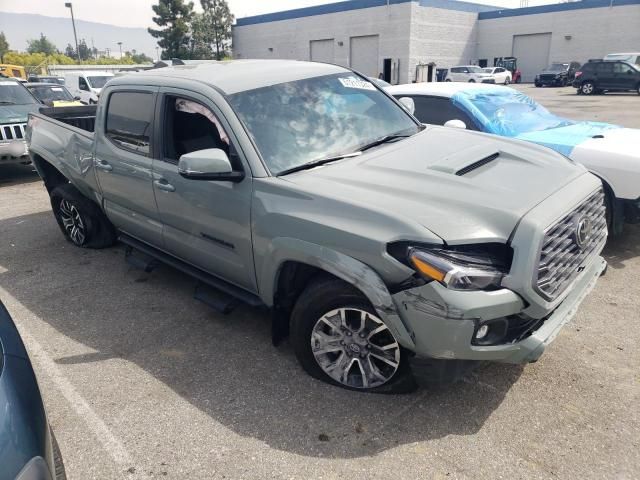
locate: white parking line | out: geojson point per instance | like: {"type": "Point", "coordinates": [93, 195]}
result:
{"type": "Point", "coordinates": [46, 366]}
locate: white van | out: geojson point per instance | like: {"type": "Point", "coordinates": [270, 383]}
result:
{"type": "Point", "coordinates": [631, 57]}
{"type": "Point", "coordinates": [87, 85]}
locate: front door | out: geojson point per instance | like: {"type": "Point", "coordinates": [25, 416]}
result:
{"type": "Point", "coordinates": [205, 223]}
{"type": "Point", "coordinates": [123, 161]}
{"type": "Point", "coordinates": [624, 76]}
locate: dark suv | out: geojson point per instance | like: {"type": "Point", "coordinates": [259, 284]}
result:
{"type": "Point", "coordinates": [558, 74]}
{"type": "Point", "coordinates": [598, 76]}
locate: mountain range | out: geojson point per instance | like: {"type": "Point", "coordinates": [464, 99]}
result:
{"type": "Point", "coordinates": [20, 27]}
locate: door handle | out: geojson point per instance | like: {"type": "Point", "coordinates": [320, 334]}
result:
{"type": "Point", "coordinates": [165, 186]}
{"type": "Point", "coordinates": [104, 166]}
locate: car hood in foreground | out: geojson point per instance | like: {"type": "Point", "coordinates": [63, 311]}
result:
{"type": "Point", "coordinates": [430, 179]}
{"type": "Point", "coordinates": [16, 113]}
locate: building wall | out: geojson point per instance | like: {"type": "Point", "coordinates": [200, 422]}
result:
{"type": "Point", "coordinates": [291, 38]}
{"type": "Point", "coordinates": [593, 32]}
{"type": "Point", "coordinates": [444, 37]}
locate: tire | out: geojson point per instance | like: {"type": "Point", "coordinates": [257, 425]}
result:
{"type": "Point", "coordinates": [60, 473]}
{"type": "Point", "coordinates": [325, 325]}
{"type": "Point", "coordinates": [563, 83]}
{"type": "Point", "coordinates": [507, 81]}
{"type": "Point", "coordinates": [81, 220]}
{"type": "Point", "coordinates": [537, 84]}
{"type": "Point", "coordinates": [447, 80]}
{"type": "Point", "coordinates": [472, 81]}
{"type": "Point", "coordinates": [588, 88]}
{"type": "Point", "coordinates": [638, 89]}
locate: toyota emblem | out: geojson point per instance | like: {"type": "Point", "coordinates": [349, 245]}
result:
{"type": "Point", "coordinates": [582, 232]}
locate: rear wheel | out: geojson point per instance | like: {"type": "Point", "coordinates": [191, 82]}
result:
{"type": "Point", "coordinates": [81, 220]}
{"type": "Point", "coordinates": [507, 81]}
{"type": "Point", "coordinates": [340, 339]}
{"type": "Point", "coordinates": [448, 80]}
{"type": "Point", "coordinates": [588, 88]}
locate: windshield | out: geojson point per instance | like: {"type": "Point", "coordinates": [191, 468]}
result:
{"type": "Point", "coordinates": [98, 82]}
{"type": "Point", "coordinates": [49, 93]}
{"type": "Point", "coordinates": [558, 67]}
{"type": "Point", "coordinates": [13, 93]}
{"type": "Point", "coordinates": [476, 70]}
{"type": "Point", "coordinates": [298, 122]}
{"type": "Point", "coordinates": [507, 112]}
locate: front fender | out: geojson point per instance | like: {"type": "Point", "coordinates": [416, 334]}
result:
{"type": "Point", "coordinates": [362, 277]}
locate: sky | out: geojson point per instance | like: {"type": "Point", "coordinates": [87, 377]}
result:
{"type": "Point", "coordinates": [138, 13]}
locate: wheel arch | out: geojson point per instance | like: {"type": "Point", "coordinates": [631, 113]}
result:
{"type": "Point", "coordinates": [51, 176]}
{"type": "Point", "coordinates": [293, 262]}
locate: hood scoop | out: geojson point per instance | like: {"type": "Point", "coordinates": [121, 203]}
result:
{"type": "Point", "coordinates": [459, 162]}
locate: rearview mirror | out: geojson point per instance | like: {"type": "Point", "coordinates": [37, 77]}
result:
{"type": "Point", "coordinates": [408, 104]}
{"type": "Point", "coordinates": [208, 164]}
{"type": "Point", "coordinates": [455, 123]}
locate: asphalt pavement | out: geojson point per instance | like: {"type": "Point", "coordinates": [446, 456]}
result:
{"type": "Point", "coordinates": [142, 381]}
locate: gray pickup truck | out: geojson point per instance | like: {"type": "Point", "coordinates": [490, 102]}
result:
{"type": "Point", "coordinates": [387, 250]}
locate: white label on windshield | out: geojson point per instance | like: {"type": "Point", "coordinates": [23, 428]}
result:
{"type": "Point", "coordinates": [56, 89]}
{"type": "Point", "coordinates": [353, 82]}
{"type": "Point", "coordinates": [8, 82]}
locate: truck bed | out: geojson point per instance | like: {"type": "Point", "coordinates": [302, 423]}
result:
{"type": "Point", "coordinates": [83, 117]}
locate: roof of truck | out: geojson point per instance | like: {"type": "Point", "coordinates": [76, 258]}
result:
{"type": "Point", "coordinates": [234, 76]}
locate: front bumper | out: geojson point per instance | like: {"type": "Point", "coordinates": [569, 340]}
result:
{"type": "Point", "coordinates": [443, 321]}
{"type": "Point", "coordinates": [14, 152]}
{"type": "Point", "coordinates": [489, 80]}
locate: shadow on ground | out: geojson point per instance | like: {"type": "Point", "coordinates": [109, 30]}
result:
{"type": "Point", "coordinates": [14, 174]}
{"type": "Point", "coordinates": [223, 365]}
{"type": "Point", "coordinates": [623, 247]}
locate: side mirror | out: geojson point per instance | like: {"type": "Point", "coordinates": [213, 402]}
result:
{"type": "Point", "coordinates": [77, 97]}
{"type": "Point", "coordinates": [408, 104]}
{"type": "Point", "coordinates": [208, 164]}
{"type": "Point", "coordinates": [455, 123]}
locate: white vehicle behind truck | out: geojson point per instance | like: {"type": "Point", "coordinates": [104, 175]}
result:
{"type": "Point", "coordinates": [87, 85]}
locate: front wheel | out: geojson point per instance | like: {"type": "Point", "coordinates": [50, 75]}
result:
{"type": "Point", "coordinates": [447, 80]}
{"type": "Point", "coordinates": [472, 81]}
{"type": "Point", "coordinates": [340, 339]}
{"type": "Point", "coordinates": [507, 81]}
{"type": "Point", "coordinates": [587, 88]}
{"type": "Point", "coordinates": [81, 220]}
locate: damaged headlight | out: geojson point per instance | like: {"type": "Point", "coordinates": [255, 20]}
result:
{"type": "Point", "coordinates": [472, 267]}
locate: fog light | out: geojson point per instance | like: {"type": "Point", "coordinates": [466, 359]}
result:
{"type": "Point", "coordinates": [482, 332]}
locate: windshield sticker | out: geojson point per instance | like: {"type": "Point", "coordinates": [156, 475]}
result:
{"type": "Point", "coordinates": [10, 83]}
{"type": "Point", "coordinates": [353, 82]}
{"type": "Point", "coordinates": [56, 89]}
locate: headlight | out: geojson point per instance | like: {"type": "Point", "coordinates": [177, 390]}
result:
{"type": "Point", "coordinates": [474, 268]}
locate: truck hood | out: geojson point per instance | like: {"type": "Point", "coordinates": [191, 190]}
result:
{"type": "Point", "coordinates": [16, 113]}
{"type": "Point", "coordinates": [465, 187]}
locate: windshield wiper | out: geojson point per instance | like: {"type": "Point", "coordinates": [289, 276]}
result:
{"type": "Point", "coordinates": [380, 141]}
{"type": "Point", "coordinates": [4, 102]}
{"type": "Point", "coordinates": [318, 162]}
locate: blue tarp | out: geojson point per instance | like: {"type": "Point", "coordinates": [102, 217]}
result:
{"type": "Point", "coordinates": [509, 113]}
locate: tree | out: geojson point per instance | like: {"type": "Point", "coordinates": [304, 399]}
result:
{"type": "Point", "coordinates": [200, 38]}
{"type": "Point", "coordinates": [218, 20]}
{"type": "Point", "coordinates": [70, 51]}
{"type": "Point", "coordinates": [4, 46]}
{"type": "Point", "coordinates": [84, 50]}
{"type": "Point", "coordinates": [175, 16]}
{"type": "Point", "coordinates": [41, 45]}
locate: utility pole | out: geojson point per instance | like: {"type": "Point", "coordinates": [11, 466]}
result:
{"type": "Point", "coordinates": [120, 45]}
{"type": "Point", "coordinates": [158, 53]}
{"type": "Point", "coordinates": [75, 35]}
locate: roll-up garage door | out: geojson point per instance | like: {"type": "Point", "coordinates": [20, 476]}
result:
{"type": "Point", "coordinates": [532, 52]}
{"type": "Point", "coordinates": [322, 51]}
{"type": "Point", "coordinates": [364, 55]}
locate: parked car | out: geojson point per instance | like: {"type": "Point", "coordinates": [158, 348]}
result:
{"type": "Point", "coordinates": [28, 448]}
{"type": "Point", "coordinates": [557, 75]}
{"type": "Point", "coordinates": [379, 82]}
{"type": "Point", "coordinates": [500, 74]}
{"type": "Point", "coordinates": [469, 73]}
{"type": "Point", "coordinates": [600, 76]}
{"type": "Point", "coordinates": [53, 94]}
{"type": "Point", "coordinates": [608, 151]}
{"type": "Point", "coordinates": [46, 79]}
{"type": "Point", "coordinates": [387, 247]}
{"type": "Point", "coordinates": [87, 85]}
{"type": "Point", "coordinates": [630, 57]}
{"type": "Point", "coordinates": [15, 104]}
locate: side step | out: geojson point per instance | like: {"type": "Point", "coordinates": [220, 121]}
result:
{"type": "Point", "coordinates": [225, 289]}
{"type": "Point", "coordinates": [140, 260]}
{"type": "Point", "coordinates": [216, 299]}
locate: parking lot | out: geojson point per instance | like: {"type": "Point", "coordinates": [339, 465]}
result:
{"type": "Point", "coordinates": [142, 381]}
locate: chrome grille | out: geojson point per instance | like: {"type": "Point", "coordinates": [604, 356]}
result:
{"type": "Point", "coordinates": [12, 132]}
{"type": "Point", "coordinates": [561, 258]}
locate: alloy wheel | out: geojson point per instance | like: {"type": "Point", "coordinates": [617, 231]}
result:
{"type": "Point", "coordinates": [587, 88]}
{"type": "Point", "coordinates": [72, 222]}
{"type": "Point", "coordinates": [355, 348]}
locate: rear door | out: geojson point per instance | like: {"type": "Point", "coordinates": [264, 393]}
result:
{"type": "Point", "coordinates": [205, 223]}
{"type": "Point", "coordinates": [604, 75]}
{"type": "Point", "coordinates": [123, 161]}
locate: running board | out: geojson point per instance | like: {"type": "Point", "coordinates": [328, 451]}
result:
{"type": "Point", "coordinates": [212, 281]}
{"type": "Point", "coordinates": [216, 299]}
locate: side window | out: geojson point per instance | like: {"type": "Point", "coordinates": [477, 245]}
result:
{"type": "Point", "coordinates": [438, 111]}
{"type": "Point", "coordinates": [604, 68]}
{"type": "Point", "coordinates": [622, 68]}
{"type": "Point", "coordinates": [129, 117]}
{"type": "Point", "coordinates": [190, 126]}
{"type": "Point", "coordinates": [82, 84]}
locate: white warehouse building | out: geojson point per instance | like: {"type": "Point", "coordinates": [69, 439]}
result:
{"type": "Point", "coordinates": [406, 40]}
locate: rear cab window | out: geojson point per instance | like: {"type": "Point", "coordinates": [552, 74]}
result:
{"type": "Point", "coordinates": [128, 121]}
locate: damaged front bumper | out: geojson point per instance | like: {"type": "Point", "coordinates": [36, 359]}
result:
{"type": "Point", "coordinates": [443, 322]}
